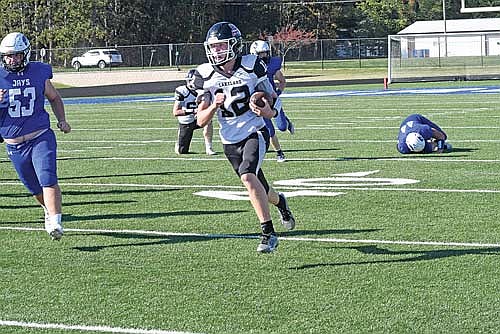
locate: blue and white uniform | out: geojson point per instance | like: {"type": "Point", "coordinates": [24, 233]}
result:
{"type": "Point", "coordinates": [22, 112]}
{"type": "Point", "coordinates": [421, 125]}
{"type": "Point", "coordinates": [273, 66]}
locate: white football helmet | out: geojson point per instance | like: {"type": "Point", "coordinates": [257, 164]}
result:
{"type": "Point", "coordinates": [415, 142]}
{"type": "Point", "coordinates": [15, 43]}
{"type": "Point", "coordinates": [223, 32]}
{"type": "Point", "coordinates": [259, 46]}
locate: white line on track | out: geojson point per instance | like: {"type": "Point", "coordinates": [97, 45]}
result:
{"type": "Point", "coordinates": [236, 236]}
{"type": "Point", "coordinates": [103, 329]}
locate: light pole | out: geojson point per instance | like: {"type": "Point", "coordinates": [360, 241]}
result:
{"type": "Point", "coordinates": [444, 23]}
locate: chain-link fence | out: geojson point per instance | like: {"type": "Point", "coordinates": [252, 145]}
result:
{"type": "Point", "coordinates": [175, 55]}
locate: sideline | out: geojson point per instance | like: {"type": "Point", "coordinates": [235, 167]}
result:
{"type": "Point", "coordinates": [339, 93]}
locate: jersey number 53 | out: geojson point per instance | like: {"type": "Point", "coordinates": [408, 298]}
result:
{"type": "Point", "coordinates": [16, 99]}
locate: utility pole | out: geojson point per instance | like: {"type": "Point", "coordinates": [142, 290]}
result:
{"type": "Point", "coordinates": [444, 23]}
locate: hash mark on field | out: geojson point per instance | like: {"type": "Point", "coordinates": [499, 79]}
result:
{"type": "Point", "coordinates": [238, 236]}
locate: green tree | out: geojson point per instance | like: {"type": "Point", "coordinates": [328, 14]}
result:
{"type": "Point", "coordinates": [381, 18]}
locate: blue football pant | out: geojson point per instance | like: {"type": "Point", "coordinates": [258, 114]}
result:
{"type": "Point", "coordinates": [281, 122]}
{"type": "Point", "coordinates": [35, 161]}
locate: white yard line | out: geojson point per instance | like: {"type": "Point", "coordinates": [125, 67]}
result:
{"type": "Point", "coordinates": [209, 186]}
{"type": "Point", "coordinates": [103, 329]}
{"type": "Point", "coordinates": [236, 236]}
{"type": "Point", "coordinates": [441, 159]}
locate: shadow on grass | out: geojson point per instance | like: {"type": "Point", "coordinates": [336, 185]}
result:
{"type": "Point", "coordinates": [35, 206]}
{"type": "Point", "coordinates": [115, 191]}
{"type": "Point", "coordinates": [405, 156]}
{"type": "Point", "coordinates": [150, 240]}
{"type": "Point", "coordinates": [298, 233]}
{"type": "Point", "coordinates": [145, 215]}
{"type": "Point", "coordinates": [158, 239]}
{"type": "Point", "coordinates": [162, 239]}
{"type": "Point", "coordinates": [415, 256]}
{"type": "Point", "coordinates": [129, 174]}
{"type": "Point", "coordinates": [271, 151]}
{"type": "Point", "coordinates": [461, 149]}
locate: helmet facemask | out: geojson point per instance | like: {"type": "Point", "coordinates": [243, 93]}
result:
{"type": "Point", "coordinates": [14, 44]}
{"type": "Point", "coordinates": [223, 43]}
{"type": "Point", "coordinates": [222, 56]}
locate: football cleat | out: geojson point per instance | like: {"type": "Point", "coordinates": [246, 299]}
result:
{"type": "Point", "coordinates": [268, 243]}
{"type": "Point", "coordinates": [280, 157]}
{"type": "Point", "coordinates": [55, 230]}
{"type": "Point", "coordinates": [286, 216]}
{"type": "Point", "coordinates": [448, 147]}
{"type": "Point", "coordinates": [209, 151]}
{"type": "Point", "coordinates": [56, 234]}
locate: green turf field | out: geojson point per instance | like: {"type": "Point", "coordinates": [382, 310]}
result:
{"type": "Point", "coordinates": [384, 243]}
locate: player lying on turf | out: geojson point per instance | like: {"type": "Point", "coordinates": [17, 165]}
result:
{"type": "Point", "coordinates": [418, 134]}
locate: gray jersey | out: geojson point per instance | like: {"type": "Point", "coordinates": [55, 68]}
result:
{"type": "Point", "coordinates": [187, 101]}
{"type": "Point", "coordinates": [236, 119]}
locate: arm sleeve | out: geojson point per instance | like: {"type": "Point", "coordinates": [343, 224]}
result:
{"type": "Point", "coordinates": [260, 68]}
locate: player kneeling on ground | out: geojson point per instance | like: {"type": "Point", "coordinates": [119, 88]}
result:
{"type": "Point", "coordinates": [185, 111]}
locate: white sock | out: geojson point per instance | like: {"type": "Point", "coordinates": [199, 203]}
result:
{"type": "Point", "coordinates": [56, 220]}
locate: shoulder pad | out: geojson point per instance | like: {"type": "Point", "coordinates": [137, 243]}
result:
{"type": "Point", "coordinates": [252, 63]}
{"type": "Point", "coordinates": [205, 70]}
{"type": "Point", "coordinates": [182, 90]}
{"type": "Point", "coordinates": [248, 61]}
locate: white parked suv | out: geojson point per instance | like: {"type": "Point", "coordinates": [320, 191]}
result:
{"type": "Point", "coordinates": [97, 57]}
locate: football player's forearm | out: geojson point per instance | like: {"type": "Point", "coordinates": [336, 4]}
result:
{"type": "Point", "coordinates": [438, 134]}
{"type": "Point", "coordinates": [57, 106]}
{"type": "Point", "coordinates": [205, 115]}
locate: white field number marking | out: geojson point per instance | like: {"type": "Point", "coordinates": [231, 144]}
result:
{"type": "Point", "coordinates": [316, 186]}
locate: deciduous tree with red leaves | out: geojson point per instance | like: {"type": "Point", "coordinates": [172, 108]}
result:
{"type": "Point", "coordinates": [289, 38]}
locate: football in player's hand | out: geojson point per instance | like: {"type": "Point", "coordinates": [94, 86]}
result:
{"type": "Point", "coordinates": [258, 99]}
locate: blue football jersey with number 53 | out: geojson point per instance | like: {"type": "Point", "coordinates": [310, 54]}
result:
{"type": "Point", "coordinates": [22, 111]}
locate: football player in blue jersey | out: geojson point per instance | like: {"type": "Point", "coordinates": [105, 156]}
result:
{"type": "Point", "coordinates": [228, 81]}
{"type": "Point", "coordinates": [185, 110]}
{"type": "Point", "coordinates": [418, 134]}
{"type": "Point", "coordinates": [25, 125]}
{"type": "Point", "coordinates": [263, 51]}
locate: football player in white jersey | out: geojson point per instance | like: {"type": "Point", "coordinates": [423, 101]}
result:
{"type": "Point", "coordinates": [185, 111]}
{"type": "Point", "coordinates": [228, 81]}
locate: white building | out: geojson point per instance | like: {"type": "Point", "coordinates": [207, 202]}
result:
{"type": "Point", "coordinates": [467, 37]}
